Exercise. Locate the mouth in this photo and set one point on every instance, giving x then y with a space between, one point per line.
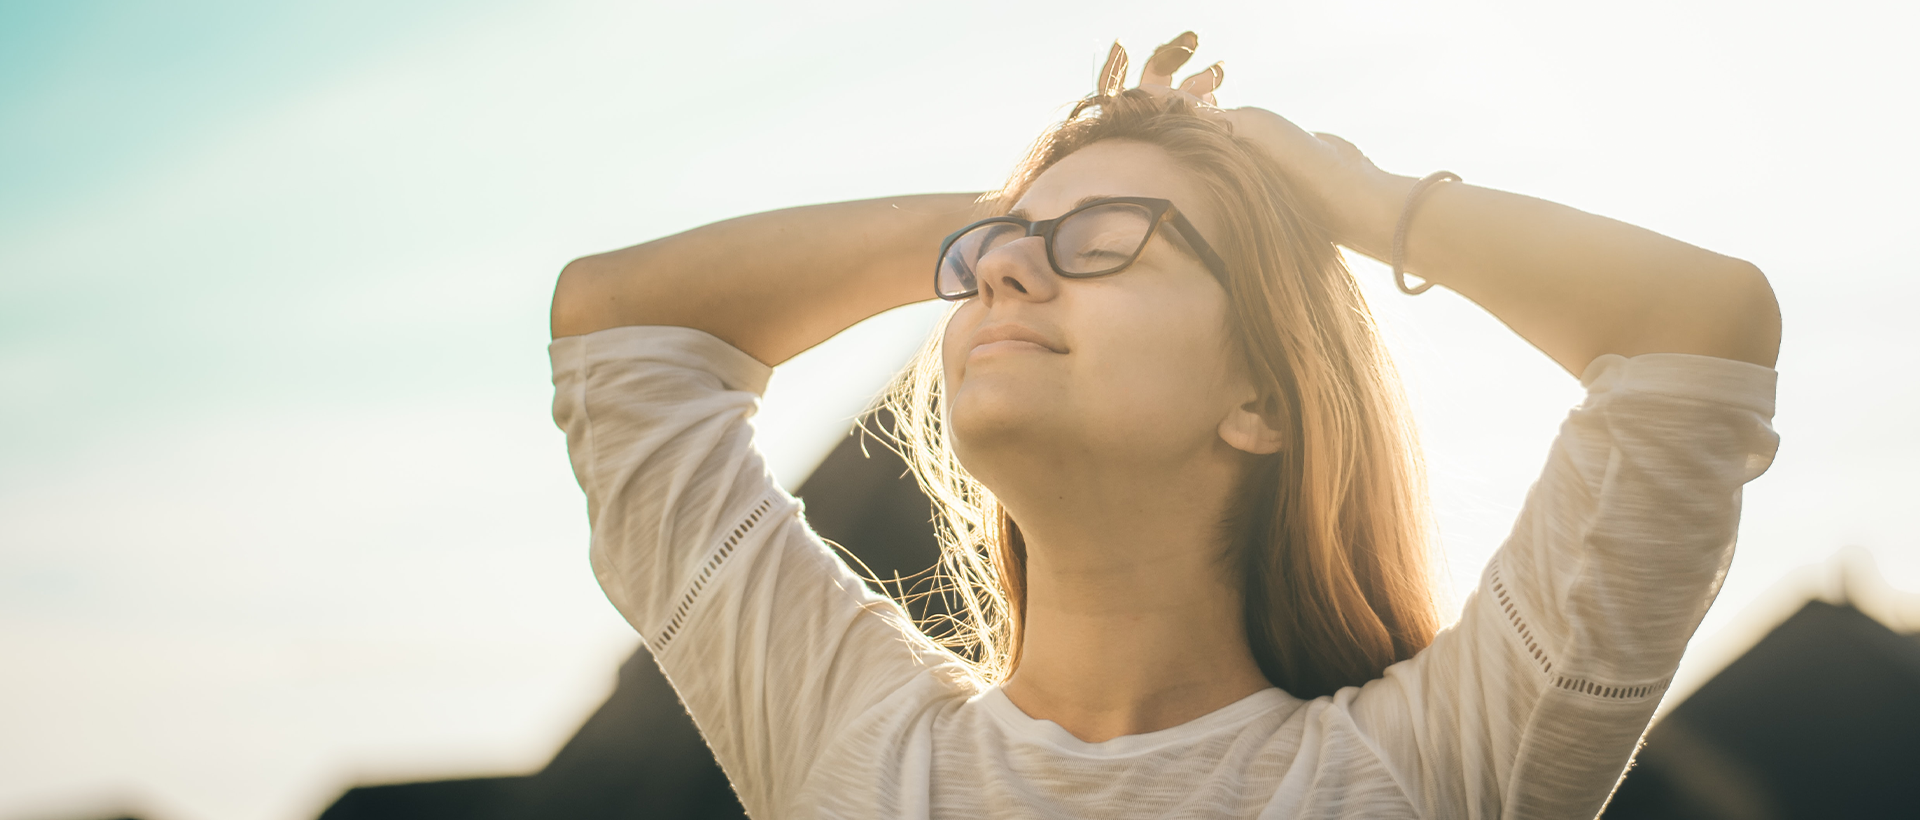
1007 346
1007 337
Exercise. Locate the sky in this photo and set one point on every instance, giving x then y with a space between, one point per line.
282 507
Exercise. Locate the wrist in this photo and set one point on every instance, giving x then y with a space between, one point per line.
1371 212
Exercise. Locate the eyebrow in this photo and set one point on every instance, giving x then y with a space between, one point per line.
1021 213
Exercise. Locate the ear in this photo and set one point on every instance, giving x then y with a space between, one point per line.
1254 427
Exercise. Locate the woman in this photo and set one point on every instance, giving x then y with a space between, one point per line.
1182 498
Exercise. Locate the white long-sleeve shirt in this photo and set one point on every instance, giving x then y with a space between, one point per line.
820 700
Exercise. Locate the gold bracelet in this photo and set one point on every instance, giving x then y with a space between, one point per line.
1420 189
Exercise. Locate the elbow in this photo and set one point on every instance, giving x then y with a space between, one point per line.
1724 308
1753 326
576 298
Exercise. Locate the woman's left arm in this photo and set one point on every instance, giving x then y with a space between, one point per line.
1531 705
1576 285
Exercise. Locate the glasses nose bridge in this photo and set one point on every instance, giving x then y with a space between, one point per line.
1046 230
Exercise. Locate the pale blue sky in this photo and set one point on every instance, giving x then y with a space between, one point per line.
93 91
280 504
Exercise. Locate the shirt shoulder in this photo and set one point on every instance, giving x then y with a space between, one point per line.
1684 376
660 347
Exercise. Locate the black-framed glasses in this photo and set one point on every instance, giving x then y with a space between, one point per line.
1098 238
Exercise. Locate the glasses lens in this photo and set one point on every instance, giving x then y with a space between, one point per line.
957 276
1101 239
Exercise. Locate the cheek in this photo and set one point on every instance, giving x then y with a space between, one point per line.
1161 372
1159 369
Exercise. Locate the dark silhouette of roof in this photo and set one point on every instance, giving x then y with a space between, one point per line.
1821 718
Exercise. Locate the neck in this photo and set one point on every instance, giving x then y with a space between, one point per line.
1133 620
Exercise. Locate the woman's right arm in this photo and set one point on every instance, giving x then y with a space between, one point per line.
773 644
771 284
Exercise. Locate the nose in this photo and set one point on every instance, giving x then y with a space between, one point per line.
1017 270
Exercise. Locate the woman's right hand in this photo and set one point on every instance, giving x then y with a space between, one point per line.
771 284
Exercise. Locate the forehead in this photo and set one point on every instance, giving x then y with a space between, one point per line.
1113 168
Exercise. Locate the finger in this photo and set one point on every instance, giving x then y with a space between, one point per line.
1169 58
1113 75
1202 85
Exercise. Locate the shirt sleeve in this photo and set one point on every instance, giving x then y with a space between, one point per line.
1533 704
769 639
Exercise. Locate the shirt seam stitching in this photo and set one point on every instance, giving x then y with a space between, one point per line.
1517 621
710 568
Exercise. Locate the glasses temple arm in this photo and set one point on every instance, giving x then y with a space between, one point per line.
1199 245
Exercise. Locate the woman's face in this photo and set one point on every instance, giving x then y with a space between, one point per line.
1128 369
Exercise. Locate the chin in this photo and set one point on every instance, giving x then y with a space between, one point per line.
985 420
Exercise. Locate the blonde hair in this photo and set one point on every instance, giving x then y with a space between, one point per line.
1331 536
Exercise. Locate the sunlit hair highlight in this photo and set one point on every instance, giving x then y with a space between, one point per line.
1330 537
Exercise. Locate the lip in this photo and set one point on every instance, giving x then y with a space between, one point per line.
1012 336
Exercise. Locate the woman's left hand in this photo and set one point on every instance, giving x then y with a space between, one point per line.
1358 200
1574 284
